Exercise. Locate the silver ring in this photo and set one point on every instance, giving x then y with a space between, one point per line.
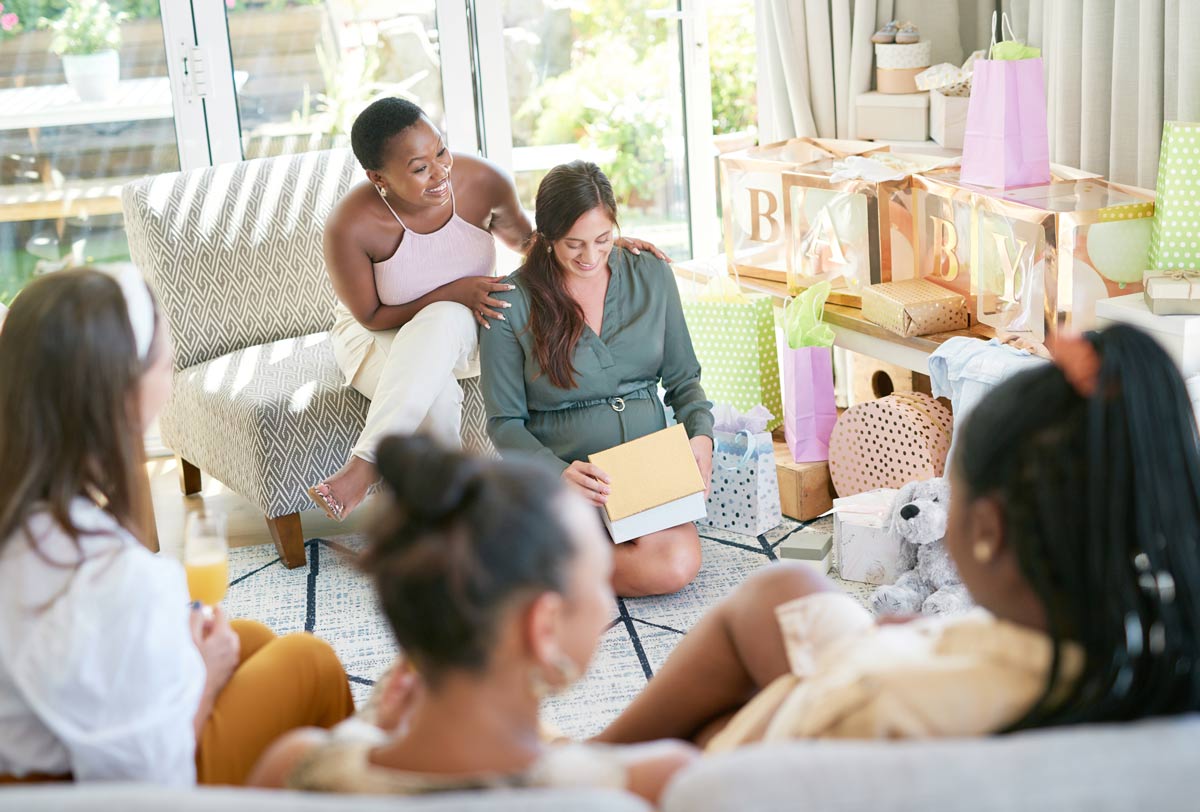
618 404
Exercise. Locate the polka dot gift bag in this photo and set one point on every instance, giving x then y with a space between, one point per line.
734 338
744 497
1175 240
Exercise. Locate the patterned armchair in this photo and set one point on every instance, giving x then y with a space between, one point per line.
234 255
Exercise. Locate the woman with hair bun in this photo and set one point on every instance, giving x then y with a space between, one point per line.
412 257
495 580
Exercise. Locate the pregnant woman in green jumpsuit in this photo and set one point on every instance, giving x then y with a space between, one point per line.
575 365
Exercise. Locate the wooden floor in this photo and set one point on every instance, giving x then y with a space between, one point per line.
245 523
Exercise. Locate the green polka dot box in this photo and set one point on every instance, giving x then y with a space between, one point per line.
1175 240
739 361
744 497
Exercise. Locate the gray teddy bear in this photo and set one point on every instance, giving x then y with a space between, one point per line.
927 581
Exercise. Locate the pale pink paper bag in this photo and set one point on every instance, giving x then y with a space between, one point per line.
809 407
1006 141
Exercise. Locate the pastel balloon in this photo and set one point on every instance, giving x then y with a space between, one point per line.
1119 249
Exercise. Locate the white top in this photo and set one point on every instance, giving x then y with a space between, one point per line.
99 675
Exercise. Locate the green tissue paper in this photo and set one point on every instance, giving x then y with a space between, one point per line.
802 323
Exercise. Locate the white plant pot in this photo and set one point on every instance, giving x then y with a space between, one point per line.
93 77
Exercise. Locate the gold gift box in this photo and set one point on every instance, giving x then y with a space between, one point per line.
1032 260
787 220
1172 293
916 307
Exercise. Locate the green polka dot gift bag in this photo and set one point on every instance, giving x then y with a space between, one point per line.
734 338
1175 239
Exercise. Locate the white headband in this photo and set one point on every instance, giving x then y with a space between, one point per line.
140 306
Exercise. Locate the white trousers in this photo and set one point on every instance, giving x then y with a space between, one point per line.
411 376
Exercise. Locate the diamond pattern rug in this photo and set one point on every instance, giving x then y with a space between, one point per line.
332 599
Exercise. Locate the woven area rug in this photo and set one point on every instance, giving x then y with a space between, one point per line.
333 600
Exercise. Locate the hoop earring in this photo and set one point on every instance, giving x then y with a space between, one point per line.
382 191
568 672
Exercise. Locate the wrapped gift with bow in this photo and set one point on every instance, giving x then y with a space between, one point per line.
734 338
744 497
1173 293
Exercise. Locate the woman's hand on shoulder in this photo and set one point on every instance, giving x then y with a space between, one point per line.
280 759
589 481
636 246
650 767
475 293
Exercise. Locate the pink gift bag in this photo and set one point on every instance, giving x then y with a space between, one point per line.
1006 141
809 408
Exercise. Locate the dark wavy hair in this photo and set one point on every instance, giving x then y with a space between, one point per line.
556 320
1101 499
465 537
376 125
69 372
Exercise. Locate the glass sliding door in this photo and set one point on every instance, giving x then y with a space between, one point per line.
311 66
74 128
601 80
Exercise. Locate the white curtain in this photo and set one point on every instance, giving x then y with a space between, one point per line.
1115 71
816 56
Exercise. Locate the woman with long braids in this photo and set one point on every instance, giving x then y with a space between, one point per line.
1075 524
497 583
576 366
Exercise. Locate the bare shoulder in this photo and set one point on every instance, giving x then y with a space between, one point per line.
281 758
351 214
480 176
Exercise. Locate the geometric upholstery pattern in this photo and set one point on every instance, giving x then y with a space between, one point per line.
235 258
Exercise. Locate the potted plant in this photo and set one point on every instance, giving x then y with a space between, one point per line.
87 36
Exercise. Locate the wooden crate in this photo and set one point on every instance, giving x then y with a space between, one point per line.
805 489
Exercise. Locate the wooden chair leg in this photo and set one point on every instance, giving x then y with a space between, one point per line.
289 539
189 476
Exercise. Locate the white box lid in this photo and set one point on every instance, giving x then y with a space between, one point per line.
873 98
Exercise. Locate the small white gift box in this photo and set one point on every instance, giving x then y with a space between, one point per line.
948 118
866 549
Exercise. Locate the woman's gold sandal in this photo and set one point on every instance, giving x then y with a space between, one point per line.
332 506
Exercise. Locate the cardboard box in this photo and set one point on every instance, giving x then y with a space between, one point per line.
866 549
1034 260
1179 335
948 118
805 489
892 117
655 484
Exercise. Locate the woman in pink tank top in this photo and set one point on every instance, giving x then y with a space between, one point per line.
412 257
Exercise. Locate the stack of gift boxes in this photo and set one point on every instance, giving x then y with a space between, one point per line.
897 110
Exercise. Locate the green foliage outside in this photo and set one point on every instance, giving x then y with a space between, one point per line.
30 11
85 27
605 101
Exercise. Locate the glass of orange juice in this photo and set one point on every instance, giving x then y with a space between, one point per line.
206 558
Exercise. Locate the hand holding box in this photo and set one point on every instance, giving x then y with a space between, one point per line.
655 484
